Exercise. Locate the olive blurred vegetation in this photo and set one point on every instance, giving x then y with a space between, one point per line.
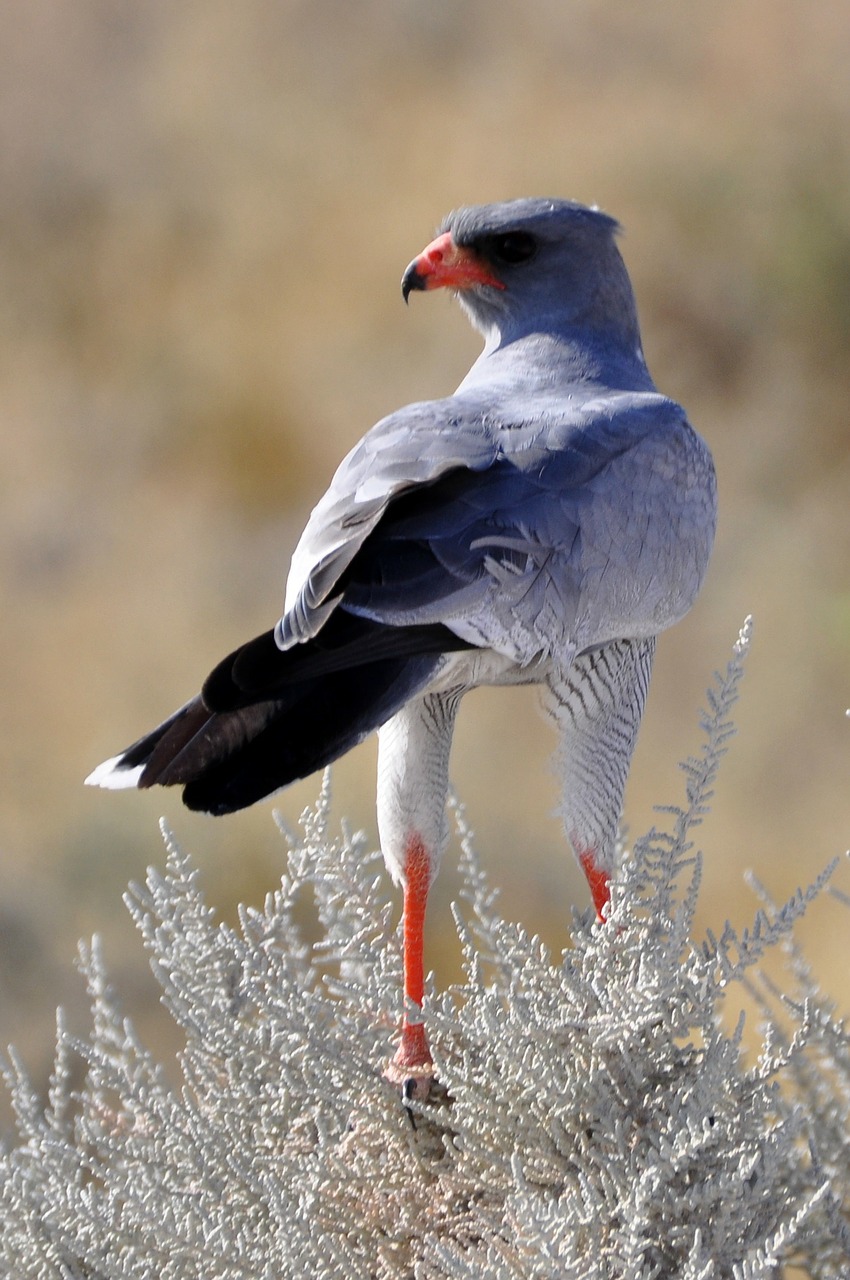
206 210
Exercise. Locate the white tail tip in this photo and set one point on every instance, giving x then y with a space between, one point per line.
113 777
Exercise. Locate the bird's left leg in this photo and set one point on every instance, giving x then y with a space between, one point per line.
597 704
413 763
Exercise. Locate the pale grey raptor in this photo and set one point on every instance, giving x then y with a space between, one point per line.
540 526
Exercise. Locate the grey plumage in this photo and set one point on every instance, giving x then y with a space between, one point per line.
541 525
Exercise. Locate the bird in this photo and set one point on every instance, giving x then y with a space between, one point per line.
540 525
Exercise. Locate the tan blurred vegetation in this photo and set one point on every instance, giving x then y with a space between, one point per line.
206 209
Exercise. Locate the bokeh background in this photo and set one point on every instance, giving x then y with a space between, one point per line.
205 210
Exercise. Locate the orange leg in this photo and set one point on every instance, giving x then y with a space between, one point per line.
412 1065
599 881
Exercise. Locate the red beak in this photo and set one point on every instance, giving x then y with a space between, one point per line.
445 265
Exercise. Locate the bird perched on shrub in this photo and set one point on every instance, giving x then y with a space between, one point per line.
539 526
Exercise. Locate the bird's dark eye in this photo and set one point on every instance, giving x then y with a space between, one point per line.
511 248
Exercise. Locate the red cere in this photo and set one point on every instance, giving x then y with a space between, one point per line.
443 264
431 259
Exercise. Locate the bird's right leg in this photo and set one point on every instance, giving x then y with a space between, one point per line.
597 704
413 763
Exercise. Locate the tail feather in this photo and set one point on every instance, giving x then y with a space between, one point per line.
260 669
165 744
126 769
268 717
284 741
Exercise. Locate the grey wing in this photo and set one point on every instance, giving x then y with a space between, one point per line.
588 527
409 450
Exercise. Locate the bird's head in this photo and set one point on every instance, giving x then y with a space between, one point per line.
534 265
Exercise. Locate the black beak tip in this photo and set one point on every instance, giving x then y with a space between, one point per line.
412 279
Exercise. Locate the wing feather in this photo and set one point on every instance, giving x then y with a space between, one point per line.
517 535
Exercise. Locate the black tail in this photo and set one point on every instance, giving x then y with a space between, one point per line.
267 717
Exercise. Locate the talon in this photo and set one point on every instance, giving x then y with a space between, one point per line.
415 1082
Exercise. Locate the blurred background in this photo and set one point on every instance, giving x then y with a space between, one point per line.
205 213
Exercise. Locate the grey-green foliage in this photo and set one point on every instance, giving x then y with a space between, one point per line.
600 1120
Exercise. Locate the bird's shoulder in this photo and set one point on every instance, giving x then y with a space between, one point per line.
590 437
